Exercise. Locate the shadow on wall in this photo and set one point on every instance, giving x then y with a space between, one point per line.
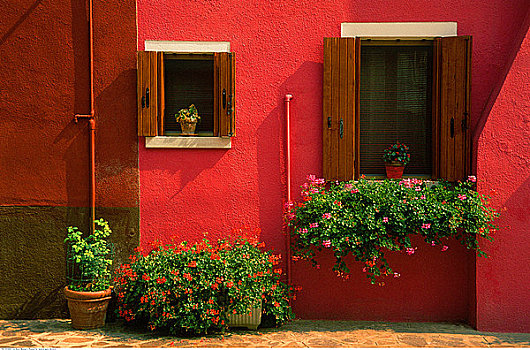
306 106
19 21
483 117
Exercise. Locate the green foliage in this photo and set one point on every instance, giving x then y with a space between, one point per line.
88 258
366 218
188 115
192 288
397 152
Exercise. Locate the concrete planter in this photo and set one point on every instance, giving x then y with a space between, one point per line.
247 321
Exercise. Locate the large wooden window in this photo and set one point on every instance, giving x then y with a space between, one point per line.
379 92
168 82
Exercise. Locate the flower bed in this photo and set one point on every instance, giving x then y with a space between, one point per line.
366 218
194 287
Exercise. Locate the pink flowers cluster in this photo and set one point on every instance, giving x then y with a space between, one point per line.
326 216
472 178
385 219
426 225
411 250
313 225
409 183
326 243
462 197
315 181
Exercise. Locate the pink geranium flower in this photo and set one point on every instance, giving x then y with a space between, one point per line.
444 248
354 190
426 226
462 197
326 216
327 243
302 230
313 225
411 251
472 178
385 219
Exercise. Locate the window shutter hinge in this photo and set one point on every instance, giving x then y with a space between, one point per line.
341 128
329 122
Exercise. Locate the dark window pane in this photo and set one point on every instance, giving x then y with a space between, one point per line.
396 84
188 82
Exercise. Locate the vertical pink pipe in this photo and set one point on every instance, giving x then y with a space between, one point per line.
288 99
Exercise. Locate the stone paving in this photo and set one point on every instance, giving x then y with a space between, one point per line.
58 333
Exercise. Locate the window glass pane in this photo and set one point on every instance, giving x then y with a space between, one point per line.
188 81
396 86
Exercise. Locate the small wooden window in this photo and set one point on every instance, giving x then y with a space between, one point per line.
168 82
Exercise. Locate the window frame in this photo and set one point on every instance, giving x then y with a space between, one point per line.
334 156
178 141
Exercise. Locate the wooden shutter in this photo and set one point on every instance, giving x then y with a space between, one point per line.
225 94
340 105
451 98
150 92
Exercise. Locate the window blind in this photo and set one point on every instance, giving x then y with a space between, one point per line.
395 105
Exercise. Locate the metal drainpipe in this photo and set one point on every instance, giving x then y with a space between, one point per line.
91 124
288 99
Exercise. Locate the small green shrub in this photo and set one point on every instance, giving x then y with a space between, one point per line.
366 218
89 259
192 288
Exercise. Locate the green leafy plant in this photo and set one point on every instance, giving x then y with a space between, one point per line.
192 288
188 115
397 152
89 259
367 218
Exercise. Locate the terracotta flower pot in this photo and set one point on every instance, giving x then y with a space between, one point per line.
394 170
87 309
188 128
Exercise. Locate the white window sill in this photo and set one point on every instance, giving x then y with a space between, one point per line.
188 142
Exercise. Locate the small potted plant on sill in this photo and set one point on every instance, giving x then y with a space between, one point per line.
396 157
88 275
188 118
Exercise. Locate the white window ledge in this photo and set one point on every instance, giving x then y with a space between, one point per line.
403 30
188 142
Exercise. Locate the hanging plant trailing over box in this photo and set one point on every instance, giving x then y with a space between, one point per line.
367 218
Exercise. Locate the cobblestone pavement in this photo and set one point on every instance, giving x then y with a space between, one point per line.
301 333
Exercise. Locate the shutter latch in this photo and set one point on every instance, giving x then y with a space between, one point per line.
464 122
229 107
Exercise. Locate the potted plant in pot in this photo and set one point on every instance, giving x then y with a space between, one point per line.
88 275
396 157
188 118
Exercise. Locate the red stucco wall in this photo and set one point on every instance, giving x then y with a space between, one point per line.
45 81
503 283
279 50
